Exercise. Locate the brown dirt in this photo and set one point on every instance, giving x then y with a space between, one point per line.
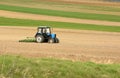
80 45
54 18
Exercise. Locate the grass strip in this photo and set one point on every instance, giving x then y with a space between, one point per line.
34 23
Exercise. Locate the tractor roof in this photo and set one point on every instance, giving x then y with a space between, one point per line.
43 27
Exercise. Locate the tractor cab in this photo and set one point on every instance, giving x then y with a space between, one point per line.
44 29
44 35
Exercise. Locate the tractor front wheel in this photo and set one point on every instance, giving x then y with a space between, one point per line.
51 41
39 39
57 40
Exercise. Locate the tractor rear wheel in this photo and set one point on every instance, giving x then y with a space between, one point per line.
39 39
51 41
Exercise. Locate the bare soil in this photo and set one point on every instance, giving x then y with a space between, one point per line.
75 45
54 18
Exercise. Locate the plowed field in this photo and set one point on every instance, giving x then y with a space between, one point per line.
100 47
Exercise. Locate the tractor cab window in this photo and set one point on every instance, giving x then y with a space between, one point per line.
48 30
39 30
44 30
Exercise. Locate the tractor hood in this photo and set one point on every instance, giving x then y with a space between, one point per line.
53 35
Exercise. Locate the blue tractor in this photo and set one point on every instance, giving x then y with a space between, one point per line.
44 35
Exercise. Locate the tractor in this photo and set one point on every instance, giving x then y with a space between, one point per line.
44 35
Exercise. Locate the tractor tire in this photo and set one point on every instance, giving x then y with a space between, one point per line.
39 39
57 40
51 41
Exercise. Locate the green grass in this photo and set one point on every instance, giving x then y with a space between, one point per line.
35 23
61 13
19 67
